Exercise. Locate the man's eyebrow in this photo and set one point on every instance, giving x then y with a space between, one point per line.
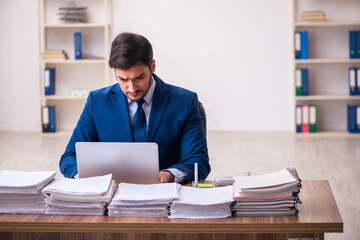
139 76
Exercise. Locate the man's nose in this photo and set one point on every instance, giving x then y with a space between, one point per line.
131 86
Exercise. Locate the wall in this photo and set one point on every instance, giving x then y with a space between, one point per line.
237 55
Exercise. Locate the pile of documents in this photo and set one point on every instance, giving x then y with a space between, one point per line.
275 193
312 17
54 55
83 196
143 200
202 203
20 191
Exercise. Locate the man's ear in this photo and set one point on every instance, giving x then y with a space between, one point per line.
153 66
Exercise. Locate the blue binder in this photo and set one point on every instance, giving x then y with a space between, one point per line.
298 118
52 119
77 41
304 45
353 81
357 44
49 81
297 45
352 126
352 44
305 82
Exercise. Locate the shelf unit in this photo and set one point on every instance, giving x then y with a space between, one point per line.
328 63
72 75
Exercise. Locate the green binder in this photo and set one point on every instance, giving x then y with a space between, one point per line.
312 118
298 84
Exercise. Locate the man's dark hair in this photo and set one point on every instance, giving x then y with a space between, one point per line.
129 49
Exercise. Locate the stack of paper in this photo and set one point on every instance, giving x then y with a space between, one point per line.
20 191
274 193
313 16
202 203
54 55
143 200
83 196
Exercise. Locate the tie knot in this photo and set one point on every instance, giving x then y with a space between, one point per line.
140 102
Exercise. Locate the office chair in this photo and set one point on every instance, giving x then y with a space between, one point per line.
203 115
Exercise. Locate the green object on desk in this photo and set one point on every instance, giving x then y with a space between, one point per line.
203 185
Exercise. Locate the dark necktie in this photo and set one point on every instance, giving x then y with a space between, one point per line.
139 123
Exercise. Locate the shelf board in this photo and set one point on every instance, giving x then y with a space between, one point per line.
327 24
63 97
327 60
75 25
73 61
327 98
328 134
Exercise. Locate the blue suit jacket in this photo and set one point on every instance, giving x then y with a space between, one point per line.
175 124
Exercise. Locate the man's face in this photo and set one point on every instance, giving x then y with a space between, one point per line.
135 81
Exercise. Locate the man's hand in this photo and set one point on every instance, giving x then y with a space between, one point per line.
165 177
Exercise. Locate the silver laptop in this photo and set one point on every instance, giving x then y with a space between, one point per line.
128 162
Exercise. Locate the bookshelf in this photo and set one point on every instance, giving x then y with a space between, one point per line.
74 78
328 63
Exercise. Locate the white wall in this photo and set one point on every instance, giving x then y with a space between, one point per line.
237 55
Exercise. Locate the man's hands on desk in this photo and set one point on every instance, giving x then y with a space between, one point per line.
166 176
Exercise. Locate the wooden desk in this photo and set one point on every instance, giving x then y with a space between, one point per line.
318 215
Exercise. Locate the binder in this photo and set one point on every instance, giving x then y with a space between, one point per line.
304 53
352 44
305 82
49 81
357 82
353 81
352 118
357 119
357 44
312 118
298 81
305 128
298 118
52 122
297 45
77 40
45 118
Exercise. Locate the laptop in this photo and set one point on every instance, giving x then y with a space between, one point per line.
129 162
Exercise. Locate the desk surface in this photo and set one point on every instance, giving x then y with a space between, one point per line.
318 213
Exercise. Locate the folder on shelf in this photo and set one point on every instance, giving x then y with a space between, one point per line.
352 81
52 119
45 118
304 53
77 41
312 118
305 118
352 44
357 44
352 118
49 81
298 81
298 118
357 82
297 45
305 82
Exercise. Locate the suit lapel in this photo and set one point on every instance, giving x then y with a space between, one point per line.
160 100
119 102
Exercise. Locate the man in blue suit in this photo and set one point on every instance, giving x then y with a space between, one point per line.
142 108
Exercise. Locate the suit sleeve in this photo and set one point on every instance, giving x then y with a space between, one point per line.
85 131
193 144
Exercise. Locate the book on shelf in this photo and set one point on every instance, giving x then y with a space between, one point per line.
48 118
354 44
353 118
77 45
54 55
301 45
49 81
313 17
302 82
306 118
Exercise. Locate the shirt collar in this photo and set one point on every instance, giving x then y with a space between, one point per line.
148 98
